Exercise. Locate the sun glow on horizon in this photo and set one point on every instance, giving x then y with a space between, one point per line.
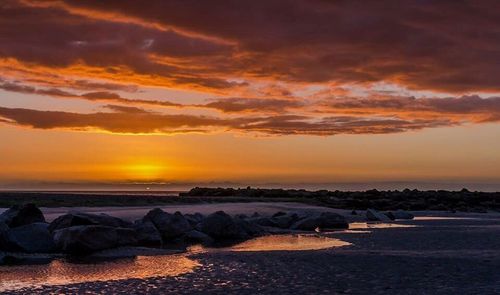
144 171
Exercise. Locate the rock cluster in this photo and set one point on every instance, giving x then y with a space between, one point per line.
24 229
374 215
463 200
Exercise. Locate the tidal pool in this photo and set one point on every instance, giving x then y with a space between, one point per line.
288 243
61 272
368 225
444 218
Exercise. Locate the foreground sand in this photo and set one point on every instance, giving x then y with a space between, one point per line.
440 256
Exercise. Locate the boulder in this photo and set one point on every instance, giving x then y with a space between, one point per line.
390 215
279 213
195 237
330 220
3 231
3 228
325 220
220 225
194 219
170 226
147 234
374 215
80 218
263 221
401 214
285 220
308 224
22 215
85 239
26 259
249 229
30 238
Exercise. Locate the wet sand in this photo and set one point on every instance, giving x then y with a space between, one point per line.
437 256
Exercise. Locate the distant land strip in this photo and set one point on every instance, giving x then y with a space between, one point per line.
463 200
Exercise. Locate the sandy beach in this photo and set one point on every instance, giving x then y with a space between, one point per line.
436 253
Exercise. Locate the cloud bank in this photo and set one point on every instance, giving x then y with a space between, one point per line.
261 62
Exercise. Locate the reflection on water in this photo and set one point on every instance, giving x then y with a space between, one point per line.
289 243
368 225
444 218
61 272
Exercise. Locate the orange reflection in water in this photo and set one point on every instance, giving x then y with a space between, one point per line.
368 225
289 243
61 272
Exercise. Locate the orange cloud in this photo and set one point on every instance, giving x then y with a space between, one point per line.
258 63
414 44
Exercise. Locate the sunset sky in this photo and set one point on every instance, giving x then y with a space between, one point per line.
250 92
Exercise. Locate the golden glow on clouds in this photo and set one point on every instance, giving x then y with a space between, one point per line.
321 91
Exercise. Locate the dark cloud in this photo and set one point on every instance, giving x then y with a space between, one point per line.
259 56
227 105
133 120
234 105
100 86
447 45
62 39
16 87
472 108
124 109
119 122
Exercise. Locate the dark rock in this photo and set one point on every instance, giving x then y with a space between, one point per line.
194 219
3 228
400 214
308 224
147 234
3 231
285 220
80 218
326 220
170 226
25 259
220 225
353 212
390 215
249 229
30 238
263 221
279 213
255 214
22 215
85 239
302 214
195 236
330 220
241 216
374 215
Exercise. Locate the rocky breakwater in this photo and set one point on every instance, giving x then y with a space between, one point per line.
25 236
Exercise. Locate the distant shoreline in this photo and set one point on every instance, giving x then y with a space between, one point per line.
464 200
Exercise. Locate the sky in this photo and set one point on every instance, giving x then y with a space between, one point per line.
308 93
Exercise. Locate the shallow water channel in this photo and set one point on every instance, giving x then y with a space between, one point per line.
62 271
